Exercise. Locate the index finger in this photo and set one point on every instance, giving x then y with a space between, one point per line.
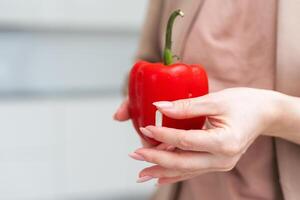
189 108
190 140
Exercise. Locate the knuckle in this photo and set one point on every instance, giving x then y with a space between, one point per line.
212 99
185 106
183 142
184 166
215 105
153 159
173 164
180 164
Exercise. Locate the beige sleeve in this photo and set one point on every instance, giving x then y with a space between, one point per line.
148 48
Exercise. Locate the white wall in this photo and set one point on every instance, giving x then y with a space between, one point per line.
62 149
59 61
93 14
95 52
66 148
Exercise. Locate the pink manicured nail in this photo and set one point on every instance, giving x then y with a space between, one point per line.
146 132
144 179
163 104
136 156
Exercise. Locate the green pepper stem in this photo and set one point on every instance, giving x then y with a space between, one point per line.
168 56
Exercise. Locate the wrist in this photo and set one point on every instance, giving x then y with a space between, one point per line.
277 106
286 116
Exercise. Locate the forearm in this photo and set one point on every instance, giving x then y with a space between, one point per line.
287 123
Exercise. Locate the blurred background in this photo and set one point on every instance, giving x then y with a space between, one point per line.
62 66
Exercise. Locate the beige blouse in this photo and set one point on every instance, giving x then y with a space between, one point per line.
251 43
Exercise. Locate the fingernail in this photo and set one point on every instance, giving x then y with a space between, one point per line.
136 156
163 104
144 179
146 132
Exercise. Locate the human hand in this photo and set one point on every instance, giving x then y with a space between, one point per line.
236 117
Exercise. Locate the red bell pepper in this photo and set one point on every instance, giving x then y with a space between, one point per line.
152 82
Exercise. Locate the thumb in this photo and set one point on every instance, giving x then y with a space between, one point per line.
188 108
122 113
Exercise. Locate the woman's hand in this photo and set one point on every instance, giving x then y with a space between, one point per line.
236 117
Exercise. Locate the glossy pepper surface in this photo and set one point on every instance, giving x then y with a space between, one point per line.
152 82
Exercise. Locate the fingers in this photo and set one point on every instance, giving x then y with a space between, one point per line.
189 108
157 171
165 147
177 160
180 165
191 140
166 176
166 180
122 113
